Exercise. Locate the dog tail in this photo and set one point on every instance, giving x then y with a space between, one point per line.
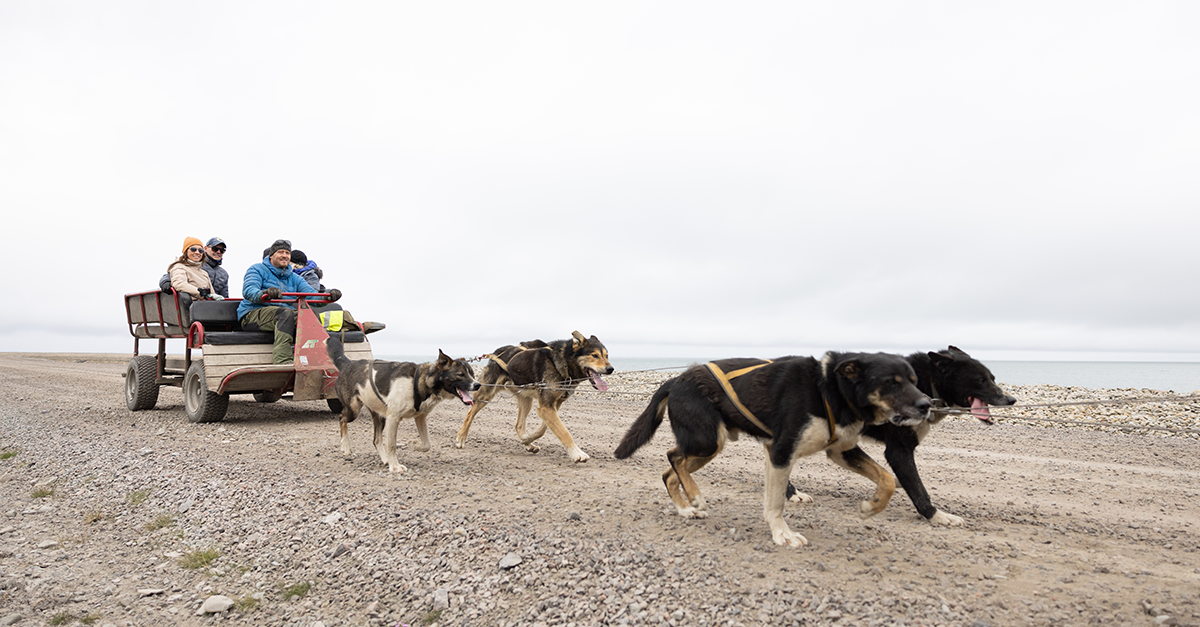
333 346
642 429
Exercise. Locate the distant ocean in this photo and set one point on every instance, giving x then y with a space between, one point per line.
1155 375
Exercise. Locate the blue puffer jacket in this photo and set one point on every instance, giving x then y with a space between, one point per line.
263 275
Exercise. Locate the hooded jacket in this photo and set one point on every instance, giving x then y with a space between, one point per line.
311 273
261 276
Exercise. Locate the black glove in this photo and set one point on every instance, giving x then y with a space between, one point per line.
205 293
272 293
335 294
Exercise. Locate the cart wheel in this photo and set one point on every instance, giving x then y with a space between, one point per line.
141 383
200 404
335 405
267 397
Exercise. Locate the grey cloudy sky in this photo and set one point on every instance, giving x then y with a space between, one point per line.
678 178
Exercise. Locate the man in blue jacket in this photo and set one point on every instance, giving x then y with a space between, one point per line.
268 280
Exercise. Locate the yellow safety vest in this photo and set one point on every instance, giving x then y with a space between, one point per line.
331 320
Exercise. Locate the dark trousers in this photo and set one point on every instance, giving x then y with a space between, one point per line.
280 320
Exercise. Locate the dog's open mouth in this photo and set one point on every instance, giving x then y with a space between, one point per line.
465 396
597 382
980 410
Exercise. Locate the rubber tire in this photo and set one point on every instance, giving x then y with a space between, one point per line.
200 404
141 383
335 405
267 397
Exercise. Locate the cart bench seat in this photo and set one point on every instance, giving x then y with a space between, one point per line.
222 328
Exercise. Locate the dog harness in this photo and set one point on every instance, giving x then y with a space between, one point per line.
723 378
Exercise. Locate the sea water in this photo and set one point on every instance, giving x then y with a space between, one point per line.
1165 376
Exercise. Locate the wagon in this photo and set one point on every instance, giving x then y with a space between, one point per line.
229 360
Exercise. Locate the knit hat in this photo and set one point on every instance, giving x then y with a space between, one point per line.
299 257
280 244
191 241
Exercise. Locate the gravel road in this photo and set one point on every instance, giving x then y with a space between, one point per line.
109 517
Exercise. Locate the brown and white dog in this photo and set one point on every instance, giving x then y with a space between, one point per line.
547 373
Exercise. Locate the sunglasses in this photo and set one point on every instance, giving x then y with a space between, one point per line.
219 250
195 249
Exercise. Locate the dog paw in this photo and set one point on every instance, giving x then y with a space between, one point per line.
418 445
800 497
787 537
699 503
942 518
532 448
867 509
459 442
692 512
578 456
397 468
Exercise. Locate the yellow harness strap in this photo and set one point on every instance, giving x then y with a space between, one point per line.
723 379
500 362
832 430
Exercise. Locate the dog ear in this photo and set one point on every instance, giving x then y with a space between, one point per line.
443 360
954 350
940 360
579 339
849 369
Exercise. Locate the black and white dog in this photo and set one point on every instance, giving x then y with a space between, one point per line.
796 406
960 381
392 391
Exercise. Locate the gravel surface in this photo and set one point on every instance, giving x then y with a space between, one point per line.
110 517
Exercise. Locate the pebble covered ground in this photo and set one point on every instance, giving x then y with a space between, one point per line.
109 517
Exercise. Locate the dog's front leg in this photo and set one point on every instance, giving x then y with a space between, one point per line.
422 441
550 418
857 460
482 398
773 499
901 456
393 423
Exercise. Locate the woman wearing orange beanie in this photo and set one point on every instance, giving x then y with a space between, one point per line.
187 272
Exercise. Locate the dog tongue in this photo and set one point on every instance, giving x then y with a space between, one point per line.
980 410
466 397
597 382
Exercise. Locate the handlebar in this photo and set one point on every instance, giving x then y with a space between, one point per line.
291 297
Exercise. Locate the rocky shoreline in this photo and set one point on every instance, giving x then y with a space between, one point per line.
118 518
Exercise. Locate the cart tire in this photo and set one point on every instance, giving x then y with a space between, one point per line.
335 405
200 404
267 397
141 383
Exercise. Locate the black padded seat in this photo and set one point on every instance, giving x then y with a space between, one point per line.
239 338
221 326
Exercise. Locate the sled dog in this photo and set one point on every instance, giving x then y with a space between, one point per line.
392 391
796 406
547 373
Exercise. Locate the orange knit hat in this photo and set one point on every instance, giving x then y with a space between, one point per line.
191 241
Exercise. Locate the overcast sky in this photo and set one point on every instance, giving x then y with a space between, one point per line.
681 179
